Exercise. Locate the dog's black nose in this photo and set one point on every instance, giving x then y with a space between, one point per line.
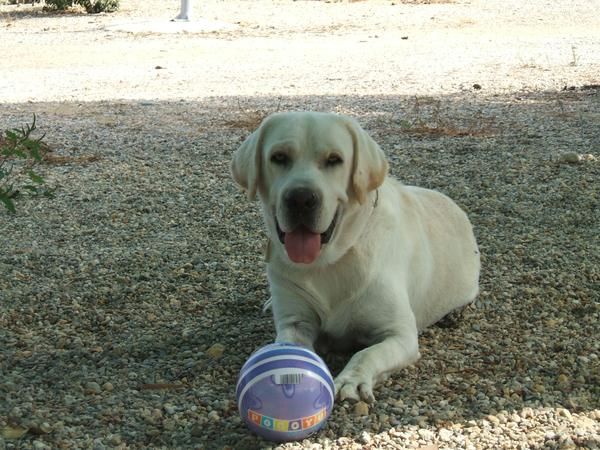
302 200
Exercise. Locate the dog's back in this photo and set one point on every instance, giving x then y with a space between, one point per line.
450 278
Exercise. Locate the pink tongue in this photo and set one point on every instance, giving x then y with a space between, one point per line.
302 246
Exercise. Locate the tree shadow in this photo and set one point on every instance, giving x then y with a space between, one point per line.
152 256
28 12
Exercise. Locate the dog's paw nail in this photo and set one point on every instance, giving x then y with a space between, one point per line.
367 398
366 393
347 392
350 390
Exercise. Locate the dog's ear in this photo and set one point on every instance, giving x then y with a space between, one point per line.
369 164
246 164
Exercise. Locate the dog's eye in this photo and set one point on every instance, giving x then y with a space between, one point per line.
333 160
279 158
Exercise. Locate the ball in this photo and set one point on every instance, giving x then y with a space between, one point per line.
284 392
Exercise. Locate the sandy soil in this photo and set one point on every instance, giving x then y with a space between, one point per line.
297 48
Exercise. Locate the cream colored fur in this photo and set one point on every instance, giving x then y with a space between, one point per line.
400 257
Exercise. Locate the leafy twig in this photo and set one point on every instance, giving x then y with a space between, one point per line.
19 155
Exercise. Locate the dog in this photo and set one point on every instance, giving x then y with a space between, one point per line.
355 259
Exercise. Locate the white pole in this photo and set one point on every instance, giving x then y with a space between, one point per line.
186 11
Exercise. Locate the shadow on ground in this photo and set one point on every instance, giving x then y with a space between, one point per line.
132 299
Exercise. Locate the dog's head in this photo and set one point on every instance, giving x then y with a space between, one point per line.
309 169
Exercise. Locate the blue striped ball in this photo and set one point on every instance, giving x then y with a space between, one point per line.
284 392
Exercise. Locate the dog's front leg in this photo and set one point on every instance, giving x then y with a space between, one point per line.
373 364
295 323
394 342
298 332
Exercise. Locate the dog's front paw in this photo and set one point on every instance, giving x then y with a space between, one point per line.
353 385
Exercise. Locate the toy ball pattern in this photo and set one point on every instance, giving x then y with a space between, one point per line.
285 392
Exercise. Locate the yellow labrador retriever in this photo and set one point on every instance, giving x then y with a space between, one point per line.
356 259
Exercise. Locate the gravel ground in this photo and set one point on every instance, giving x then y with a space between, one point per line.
129 302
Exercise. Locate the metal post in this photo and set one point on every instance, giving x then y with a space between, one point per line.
186 11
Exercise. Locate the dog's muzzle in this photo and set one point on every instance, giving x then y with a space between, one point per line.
303 242
325 236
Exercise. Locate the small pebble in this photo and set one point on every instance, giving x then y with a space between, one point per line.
216 351
115 440
426 434
493 419
445 434
9 386
93 388
197 430
539 388
526 413
361 408
563 412
40 429
152 432
570 158
365 438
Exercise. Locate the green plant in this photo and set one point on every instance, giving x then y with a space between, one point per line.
60 5
98 6
90 6
19 155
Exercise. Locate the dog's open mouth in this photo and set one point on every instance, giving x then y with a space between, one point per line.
303 245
